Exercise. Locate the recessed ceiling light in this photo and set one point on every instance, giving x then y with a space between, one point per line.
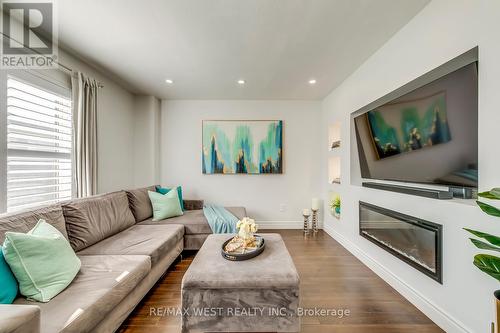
169 81
312 81
241 82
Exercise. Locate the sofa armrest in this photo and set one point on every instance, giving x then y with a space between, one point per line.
19 318
193 204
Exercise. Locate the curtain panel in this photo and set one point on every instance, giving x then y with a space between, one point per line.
85 95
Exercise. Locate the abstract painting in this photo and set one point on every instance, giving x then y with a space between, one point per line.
242 147
409 125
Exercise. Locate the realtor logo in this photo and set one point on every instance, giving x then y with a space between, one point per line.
28 34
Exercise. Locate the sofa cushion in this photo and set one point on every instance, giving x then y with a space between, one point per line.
193 204
194 221
165 205
95 218
152 240
165 190
101 284
239 212
19 318
42 261
139 203
25 221
194 242
8 283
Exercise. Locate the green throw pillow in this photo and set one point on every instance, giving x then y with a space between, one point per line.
164 190
42 261
8 283
165 205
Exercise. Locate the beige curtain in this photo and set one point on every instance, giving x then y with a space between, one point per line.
85 93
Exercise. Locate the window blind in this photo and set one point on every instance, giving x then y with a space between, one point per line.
39 143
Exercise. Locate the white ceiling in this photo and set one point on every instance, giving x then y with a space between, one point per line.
205 46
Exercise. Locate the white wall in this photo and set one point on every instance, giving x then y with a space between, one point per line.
441 31
115 128
146 141
262 195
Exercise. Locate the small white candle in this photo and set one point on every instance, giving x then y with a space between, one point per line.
315 204
306 212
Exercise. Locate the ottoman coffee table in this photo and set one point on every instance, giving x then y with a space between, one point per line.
256 295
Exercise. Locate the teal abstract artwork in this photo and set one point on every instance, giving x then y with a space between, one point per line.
242 147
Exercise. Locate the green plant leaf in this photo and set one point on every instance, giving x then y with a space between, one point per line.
483 245
488 264
488 209
493 194
487 195
490 238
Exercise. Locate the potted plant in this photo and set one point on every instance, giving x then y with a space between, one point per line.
488 263
335 206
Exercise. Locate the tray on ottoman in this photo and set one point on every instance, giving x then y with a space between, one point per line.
257 295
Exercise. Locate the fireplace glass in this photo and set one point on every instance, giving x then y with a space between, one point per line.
413 240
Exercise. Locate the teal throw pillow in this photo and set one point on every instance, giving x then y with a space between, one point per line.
165 190
42 261
165 205
8 283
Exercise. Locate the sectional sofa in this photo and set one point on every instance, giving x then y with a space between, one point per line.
123 254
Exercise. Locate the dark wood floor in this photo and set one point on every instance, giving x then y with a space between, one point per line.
330 277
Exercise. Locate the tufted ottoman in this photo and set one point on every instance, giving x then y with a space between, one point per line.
256 295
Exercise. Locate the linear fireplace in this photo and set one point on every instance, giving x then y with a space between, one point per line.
415 241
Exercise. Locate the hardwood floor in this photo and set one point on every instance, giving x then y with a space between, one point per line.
331 278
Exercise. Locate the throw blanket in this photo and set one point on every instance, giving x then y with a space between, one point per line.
220 219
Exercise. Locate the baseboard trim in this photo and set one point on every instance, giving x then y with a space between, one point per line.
280 224
434 312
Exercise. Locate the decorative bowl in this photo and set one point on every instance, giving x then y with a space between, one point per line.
247 254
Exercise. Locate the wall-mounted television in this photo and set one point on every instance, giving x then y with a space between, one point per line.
426 135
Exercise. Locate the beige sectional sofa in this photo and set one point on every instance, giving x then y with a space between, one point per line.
123 254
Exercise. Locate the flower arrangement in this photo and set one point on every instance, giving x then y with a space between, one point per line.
246 228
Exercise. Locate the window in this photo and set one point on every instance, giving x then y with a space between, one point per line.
38 142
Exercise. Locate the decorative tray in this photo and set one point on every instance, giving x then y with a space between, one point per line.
240 255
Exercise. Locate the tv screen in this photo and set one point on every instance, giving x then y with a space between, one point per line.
429 135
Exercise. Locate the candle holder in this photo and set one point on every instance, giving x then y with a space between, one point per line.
306 224
315 220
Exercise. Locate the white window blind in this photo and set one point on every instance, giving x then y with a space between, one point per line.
39 134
